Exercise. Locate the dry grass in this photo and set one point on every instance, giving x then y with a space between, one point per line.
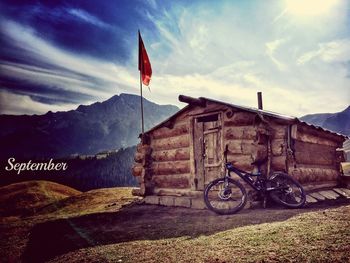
94 201
104 226
26 198
322 236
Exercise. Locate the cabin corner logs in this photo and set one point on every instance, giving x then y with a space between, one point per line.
180 156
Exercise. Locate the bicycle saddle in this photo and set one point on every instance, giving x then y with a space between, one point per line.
259 162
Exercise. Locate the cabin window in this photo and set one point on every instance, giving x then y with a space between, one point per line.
208 118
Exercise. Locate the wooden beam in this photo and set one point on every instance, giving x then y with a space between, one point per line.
244 146
181 141
240 119
306 174
178 167
164 132
192 101
242 132
137 170
278 163
176 181
179 154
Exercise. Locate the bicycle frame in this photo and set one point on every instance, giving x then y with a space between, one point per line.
246 176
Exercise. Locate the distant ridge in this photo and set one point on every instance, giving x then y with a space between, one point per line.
89 129
337 122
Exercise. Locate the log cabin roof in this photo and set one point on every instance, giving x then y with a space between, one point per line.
281 117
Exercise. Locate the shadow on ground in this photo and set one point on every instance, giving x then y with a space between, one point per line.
140 222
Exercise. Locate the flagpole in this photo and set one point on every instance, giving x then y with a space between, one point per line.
141 97
142 121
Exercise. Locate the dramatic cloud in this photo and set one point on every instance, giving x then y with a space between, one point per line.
58 55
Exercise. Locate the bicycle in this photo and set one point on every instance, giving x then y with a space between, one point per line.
228 196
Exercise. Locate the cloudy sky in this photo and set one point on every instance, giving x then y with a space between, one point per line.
58 54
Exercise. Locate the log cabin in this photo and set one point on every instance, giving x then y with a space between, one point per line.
176 159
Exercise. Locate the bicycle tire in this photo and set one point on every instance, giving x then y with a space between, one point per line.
227 207
287 197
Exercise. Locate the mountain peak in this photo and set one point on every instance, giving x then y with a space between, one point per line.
347 109
337 122
89 129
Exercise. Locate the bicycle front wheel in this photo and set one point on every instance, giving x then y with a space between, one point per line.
225 196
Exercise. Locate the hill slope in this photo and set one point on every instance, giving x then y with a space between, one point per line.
26 197
111 124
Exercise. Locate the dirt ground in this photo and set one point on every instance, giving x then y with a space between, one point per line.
42 238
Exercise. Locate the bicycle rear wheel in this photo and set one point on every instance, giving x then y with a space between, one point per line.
290 193
225 196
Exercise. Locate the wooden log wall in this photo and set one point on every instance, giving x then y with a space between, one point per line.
241 134
171 166
279 144
141 169
314 155
247 141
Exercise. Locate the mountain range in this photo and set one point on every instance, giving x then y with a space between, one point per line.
337 122
89 129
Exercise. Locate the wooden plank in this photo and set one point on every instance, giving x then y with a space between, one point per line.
240 119
171 143
318 185
176 181
299 135
213 150
324 135
192 158
310 199
137 170
241 132
278 146
317 196
163 168
244 147
306 174
303 146
210 108
164 132
198 155
179 154
241 161
314 154
346 190
278 131
278 163
316 158
341 192
138 157
329 194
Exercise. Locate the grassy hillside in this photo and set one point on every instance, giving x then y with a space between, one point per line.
27 197
94 201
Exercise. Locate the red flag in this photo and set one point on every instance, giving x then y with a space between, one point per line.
144 63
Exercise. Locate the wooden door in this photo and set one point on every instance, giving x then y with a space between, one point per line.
208 153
